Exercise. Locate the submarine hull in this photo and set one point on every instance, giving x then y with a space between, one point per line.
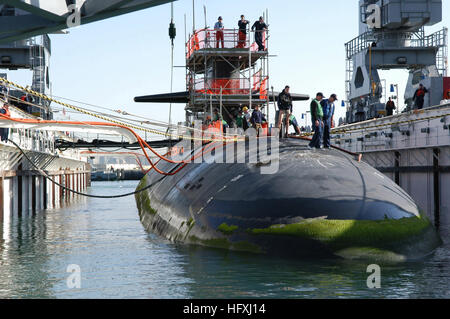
318 203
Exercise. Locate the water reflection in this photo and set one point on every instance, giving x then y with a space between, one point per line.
234 275
118 259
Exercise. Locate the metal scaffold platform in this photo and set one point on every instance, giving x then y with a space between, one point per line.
226 74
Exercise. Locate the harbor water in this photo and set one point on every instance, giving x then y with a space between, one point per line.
117 258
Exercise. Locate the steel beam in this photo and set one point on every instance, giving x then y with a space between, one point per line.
100 10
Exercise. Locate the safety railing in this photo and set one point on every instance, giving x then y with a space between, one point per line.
235 86
31 140
359 44
437 39
363 41
226 39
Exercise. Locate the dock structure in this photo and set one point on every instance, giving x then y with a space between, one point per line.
23 189
412 149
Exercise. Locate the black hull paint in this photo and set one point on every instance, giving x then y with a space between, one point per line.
319 203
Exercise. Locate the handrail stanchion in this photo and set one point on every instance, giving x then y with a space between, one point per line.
221 102
250 76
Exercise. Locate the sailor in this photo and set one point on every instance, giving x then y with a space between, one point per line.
247 117
390 107
328 109
26 99
206 123
4 132
240 120
257 119
294 123
218 118
225 126
3 91
219 27
316 117
419 96
260 27
242 31
285 107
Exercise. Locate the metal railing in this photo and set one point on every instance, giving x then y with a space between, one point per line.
227 39
233 86
359 44
418 39
31 140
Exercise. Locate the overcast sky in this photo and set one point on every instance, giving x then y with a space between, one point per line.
110 62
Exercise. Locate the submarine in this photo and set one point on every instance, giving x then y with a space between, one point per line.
319 203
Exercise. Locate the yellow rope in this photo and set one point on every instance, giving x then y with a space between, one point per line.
80 110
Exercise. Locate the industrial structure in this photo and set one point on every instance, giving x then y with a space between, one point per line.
411 148
225 76
392 36
24 19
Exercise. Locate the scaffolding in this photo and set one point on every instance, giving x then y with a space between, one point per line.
39 51
226 71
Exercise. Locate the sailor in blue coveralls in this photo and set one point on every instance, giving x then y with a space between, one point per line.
328 113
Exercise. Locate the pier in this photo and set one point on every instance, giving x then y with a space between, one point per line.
23 189
412 149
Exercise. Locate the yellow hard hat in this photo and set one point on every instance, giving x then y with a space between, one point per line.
245 109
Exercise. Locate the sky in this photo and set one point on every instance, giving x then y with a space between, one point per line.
108 63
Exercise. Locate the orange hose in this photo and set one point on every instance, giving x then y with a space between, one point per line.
143 144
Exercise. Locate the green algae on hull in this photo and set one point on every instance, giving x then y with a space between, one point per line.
363 238
143 199
375 254
348 231
224 243
227 230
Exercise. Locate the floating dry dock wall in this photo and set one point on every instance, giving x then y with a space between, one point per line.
22 188
412 149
